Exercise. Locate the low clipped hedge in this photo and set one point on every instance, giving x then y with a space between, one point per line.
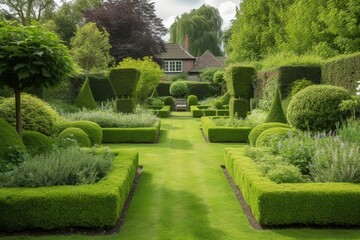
92 129
98 205
275 204
164 112
224 134
255 133
131 135
201 111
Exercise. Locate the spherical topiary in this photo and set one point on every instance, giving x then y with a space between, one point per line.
169 101
36 142
77 134
256 131
191 100
92 129
8 138
276 112
178 89
267 137
299 85
36 114
316 108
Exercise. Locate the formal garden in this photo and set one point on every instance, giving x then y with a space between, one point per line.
93 147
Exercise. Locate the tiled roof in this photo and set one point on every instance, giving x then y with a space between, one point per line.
222 59
205 61
175 51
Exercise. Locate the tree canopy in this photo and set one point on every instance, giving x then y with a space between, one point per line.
203 26
90 47
135 30
322 27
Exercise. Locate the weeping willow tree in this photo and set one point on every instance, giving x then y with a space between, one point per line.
203 26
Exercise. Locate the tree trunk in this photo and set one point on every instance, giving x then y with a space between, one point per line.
18 112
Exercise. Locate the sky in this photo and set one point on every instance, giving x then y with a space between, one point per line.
169 9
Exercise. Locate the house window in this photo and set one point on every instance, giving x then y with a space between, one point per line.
173 66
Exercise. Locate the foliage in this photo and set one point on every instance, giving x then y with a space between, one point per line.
257 116
316 108
8 138
233 122
239 108
110 119
255 133
36 142
77 134
286 58
136 32
30 56
299 85
27 10
179 76
85 97
37 115
207 75
178 89
169 101
61 167
239 80
349 132
203 26
273 135
151 74
276 113
90 47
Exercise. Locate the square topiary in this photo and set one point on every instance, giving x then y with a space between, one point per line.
239 81
124 81
125 105
239 107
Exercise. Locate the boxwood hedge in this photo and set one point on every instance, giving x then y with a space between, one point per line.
98 205
275 204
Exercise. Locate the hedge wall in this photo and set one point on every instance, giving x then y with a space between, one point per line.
98 205
200 89
275 204
342 71
224 134
124 81
285 76
131 135
200 111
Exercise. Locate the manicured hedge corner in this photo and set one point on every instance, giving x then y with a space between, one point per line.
164 112
201 111
224 134
98 205
296 203
131 135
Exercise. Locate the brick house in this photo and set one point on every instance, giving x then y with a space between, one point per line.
176 59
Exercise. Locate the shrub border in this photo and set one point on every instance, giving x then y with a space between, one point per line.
98 205
131 135
224 134
201 111
297 203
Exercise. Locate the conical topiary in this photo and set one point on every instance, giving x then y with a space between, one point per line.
276 113
85 97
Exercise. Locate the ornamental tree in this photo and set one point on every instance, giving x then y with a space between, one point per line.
30 56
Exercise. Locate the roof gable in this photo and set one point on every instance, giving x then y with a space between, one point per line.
174 51
205 61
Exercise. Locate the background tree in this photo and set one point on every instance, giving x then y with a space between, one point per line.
135 30
151 74
27 10
30 56
203 26
90 47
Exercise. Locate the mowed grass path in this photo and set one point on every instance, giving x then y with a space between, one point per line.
183 193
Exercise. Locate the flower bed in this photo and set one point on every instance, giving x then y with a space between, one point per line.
293 203
96 205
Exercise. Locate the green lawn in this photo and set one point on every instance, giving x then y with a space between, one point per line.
183 193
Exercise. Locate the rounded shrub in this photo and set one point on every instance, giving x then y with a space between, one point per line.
299 85
178 89
169 101
92 129
36 142
317 108
191 100
77 134
256 131
267 137
36 114
8 138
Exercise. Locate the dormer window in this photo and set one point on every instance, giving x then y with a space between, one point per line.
173 66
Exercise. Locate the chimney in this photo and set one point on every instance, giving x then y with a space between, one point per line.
186 42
